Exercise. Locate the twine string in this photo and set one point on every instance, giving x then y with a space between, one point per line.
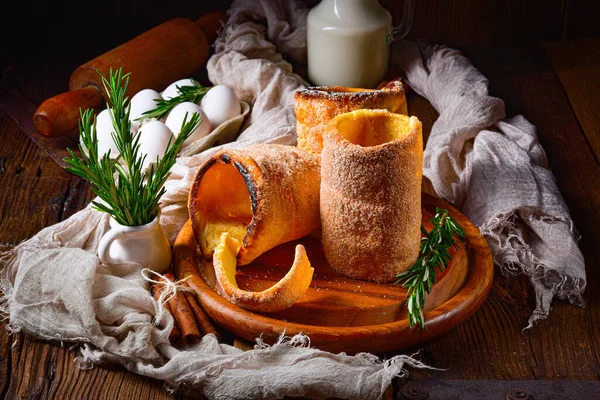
168 288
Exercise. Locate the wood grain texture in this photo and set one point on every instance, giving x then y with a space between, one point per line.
20 109
47 371
535 91
46 193
580 19
339 313
490 22
577 64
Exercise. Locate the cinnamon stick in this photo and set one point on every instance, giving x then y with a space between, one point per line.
182 312
175 335
201 318
184 266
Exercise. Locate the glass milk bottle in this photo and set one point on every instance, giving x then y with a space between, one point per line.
348 42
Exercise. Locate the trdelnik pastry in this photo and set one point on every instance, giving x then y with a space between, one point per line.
245 202
316 105
371 169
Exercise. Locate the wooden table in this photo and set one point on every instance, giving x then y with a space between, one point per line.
556 86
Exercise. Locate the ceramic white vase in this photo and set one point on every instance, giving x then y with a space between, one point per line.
348 41
144 244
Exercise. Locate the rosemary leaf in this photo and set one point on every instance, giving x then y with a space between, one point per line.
434 254
193 93
129 193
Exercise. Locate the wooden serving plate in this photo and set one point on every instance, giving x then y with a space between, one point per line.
343 314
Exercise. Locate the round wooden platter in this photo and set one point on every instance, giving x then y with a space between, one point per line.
343 314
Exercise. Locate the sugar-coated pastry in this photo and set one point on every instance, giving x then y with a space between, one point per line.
370 204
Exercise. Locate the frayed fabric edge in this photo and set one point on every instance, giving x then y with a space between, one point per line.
298 340
394 367
389 368
501 229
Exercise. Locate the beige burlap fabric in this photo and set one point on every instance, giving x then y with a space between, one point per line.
495 170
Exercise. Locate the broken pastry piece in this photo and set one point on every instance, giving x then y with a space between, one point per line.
371 168
316 105
278 297
260 196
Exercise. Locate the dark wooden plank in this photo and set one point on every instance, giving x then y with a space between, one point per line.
577 64
580 19
36 191
502 389
20 110
6 341
490 22
45 370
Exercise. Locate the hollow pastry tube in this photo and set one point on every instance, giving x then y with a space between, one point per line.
316 105
263 195
371 168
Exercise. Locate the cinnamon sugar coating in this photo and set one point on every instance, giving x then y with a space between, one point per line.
371 194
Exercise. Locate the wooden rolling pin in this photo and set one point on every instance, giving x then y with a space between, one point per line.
156 58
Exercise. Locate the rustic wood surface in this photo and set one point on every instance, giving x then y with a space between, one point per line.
36 193
573 62
343 314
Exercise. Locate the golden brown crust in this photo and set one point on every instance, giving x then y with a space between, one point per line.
283 190
371 199
316 105
280 296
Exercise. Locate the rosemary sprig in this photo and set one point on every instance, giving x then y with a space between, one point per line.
435 253
193 93
132 198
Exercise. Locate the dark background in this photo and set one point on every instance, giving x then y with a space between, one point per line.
73 32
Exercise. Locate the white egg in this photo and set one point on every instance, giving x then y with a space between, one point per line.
172 91
154 138
176 116
220 104
104 128
143 101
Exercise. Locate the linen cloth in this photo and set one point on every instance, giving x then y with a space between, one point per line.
54 286
494 169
